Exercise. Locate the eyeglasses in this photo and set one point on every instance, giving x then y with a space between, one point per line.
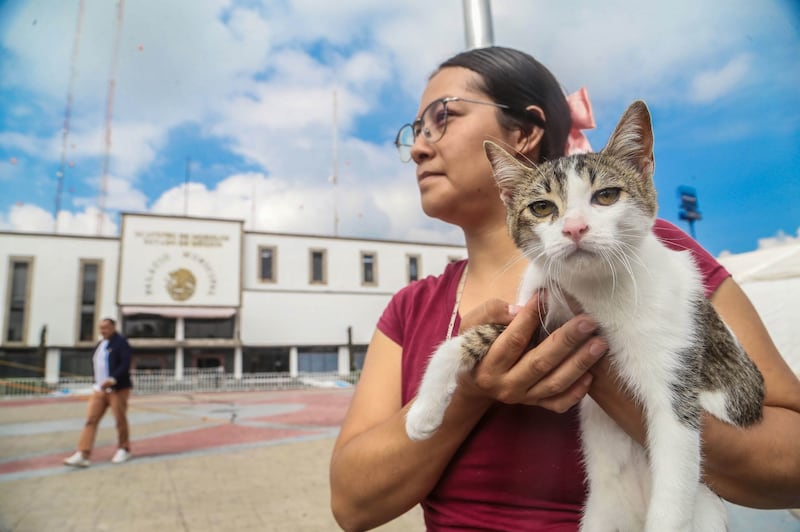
431 124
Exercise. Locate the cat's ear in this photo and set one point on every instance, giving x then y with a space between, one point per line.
506 168
632 139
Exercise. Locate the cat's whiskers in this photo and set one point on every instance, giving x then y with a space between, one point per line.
509 264
622 259
628 253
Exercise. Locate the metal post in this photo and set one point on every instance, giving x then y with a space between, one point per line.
478 24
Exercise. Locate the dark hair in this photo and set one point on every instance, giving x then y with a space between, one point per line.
111 321
514 78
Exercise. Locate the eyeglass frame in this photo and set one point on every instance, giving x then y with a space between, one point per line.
444 101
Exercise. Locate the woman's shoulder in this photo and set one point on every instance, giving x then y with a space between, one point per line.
674 238
419 300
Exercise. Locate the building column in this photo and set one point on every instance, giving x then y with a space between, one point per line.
293 362
344 360
179 336
237 363
52 365
179 363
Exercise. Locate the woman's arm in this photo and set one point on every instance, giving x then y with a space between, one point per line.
758 466
377 473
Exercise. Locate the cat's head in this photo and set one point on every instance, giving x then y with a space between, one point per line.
583 211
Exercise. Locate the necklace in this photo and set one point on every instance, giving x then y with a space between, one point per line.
460 290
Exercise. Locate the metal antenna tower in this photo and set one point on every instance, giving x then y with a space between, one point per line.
76 45
112 85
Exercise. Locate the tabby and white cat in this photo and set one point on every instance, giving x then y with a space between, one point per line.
585 222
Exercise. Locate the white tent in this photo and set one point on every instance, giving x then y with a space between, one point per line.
771 279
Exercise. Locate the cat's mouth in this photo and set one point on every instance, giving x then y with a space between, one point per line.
577 252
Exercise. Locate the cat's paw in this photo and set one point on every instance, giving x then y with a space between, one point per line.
423 420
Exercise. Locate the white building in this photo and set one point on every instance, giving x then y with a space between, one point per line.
191 292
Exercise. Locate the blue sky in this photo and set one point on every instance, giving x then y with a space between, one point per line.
241 93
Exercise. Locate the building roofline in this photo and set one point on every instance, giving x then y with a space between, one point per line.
58 235
244 232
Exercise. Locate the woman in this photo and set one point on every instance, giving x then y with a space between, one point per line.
507 455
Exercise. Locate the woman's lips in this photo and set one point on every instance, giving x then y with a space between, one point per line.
424 175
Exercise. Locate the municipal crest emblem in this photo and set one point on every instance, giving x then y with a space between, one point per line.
181 284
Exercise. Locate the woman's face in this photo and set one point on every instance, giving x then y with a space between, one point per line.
454 177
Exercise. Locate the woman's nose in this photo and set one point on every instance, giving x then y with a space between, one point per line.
420 149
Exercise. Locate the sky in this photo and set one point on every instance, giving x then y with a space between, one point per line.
246 109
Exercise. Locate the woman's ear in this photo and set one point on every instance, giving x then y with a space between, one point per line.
528 142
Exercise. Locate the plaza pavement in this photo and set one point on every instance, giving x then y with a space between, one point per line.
216 462
201 462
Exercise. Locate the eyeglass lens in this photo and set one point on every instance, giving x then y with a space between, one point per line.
434 121
404 141
431 126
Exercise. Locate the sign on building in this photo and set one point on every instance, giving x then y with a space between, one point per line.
174 261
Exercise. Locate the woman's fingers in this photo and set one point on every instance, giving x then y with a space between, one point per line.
562 402
571 351
514 341
554 374
491 311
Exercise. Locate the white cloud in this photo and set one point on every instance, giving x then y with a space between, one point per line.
32 218
709 85
120 196
779 239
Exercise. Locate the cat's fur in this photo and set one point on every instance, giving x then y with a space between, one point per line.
668 345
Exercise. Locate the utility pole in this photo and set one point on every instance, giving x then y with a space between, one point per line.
478 24
335 176
186 177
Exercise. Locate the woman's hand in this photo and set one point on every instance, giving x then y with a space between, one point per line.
553 374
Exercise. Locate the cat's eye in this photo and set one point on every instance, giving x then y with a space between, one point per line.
607 196
542 208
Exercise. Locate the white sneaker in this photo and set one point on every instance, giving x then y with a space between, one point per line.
121 456
77 460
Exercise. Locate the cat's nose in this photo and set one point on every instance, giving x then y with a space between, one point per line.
575 228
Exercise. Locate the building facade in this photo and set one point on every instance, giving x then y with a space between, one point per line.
200 293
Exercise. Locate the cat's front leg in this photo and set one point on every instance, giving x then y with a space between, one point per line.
441 378
617 474
674 451
437 387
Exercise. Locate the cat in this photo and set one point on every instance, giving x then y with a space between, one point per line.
585 223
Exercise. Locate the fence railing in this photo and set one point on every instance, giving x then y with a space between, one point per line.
193 380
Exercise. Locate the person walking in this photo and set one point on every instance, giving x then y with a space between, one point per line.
112 388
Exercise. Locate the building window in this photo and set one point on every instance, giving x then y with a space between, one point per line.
317 361
369 268
208 328
413 267
267 264
19 285
76 362
87 312
206 358
148 326
146 363
265 360
319 267
20 363
359 355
